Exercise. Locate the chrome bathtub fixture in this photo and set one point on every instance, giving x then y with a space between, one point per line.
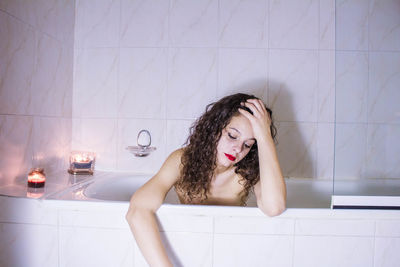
143 147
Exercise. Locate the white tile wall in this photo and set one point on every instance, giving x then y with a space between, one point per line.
294 24
193 23
243 23
144 23
384 22
383 92
95 88
352 20
293 85
243 70
97 25
142 83
385 247
192 81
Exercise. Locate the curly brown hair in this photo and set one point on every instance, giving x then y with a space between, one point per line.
199 155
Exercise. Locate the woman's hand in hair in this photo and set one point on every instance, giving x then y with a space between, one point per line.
260 119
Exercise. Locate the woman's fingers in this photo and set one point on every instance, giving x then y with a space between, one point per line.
256 106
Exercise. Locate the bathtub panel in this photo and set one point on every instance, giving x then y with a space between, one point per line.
184 249
93 219
388 228
185 223
335 227
95 247
252 250
333 251
26 211
387 252
254 225
28 245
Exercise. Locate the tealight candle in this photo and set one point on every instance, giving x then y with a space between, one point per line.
81 162
36 178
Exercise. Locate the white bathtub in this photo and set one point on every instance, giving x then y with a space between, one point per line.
302 193
78 219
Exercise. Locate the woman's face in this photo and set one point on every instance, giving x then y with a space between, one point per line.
235 142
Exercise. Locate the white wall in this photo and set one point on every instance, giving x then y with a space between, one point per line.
36 59
157 64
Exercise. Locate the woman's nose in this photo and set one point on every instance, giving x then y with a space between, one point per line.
237 147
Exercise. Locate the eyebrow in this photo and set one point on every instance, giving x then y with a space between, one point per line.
240 132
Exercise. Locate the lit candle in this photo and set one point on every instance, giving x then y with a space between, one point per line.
36 178
81 162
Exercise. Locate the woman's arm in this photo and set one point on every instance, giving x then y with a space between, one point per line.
143 206
270 191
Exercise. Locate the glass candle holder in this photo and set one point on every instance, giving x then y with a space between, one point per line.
36 178
81 162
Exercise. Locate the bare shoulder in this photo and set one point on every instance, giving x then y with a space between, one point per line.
171 168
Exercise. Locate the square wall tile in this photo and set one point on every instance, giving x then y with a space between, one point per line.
97 25
183 249
335 227
17 142
325 150
185 223
352 25
294 24
99 136
128 130
144 23
53 78
243 23
177 133
293 85
142 83
28 245
17 59
384 25
193 23
244 71
327 24
254 225
52 142
351 84
296 149
386 252
253 250
326 86
333 251
350 146
388 228
383 148
383 91
192 81
95 83
95 247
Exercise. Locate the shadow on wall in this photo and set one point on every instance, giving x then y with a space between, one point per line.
294 139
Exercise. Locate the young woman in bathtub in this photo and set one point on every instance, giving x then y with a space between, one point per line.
230 151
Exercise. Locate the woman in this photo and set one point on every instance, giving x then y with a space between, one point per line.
230 151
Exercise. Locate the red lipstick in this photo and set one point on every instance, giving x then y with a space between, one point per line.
230 157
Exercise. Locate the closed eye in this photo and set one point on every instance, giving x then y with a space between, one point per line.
231 136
